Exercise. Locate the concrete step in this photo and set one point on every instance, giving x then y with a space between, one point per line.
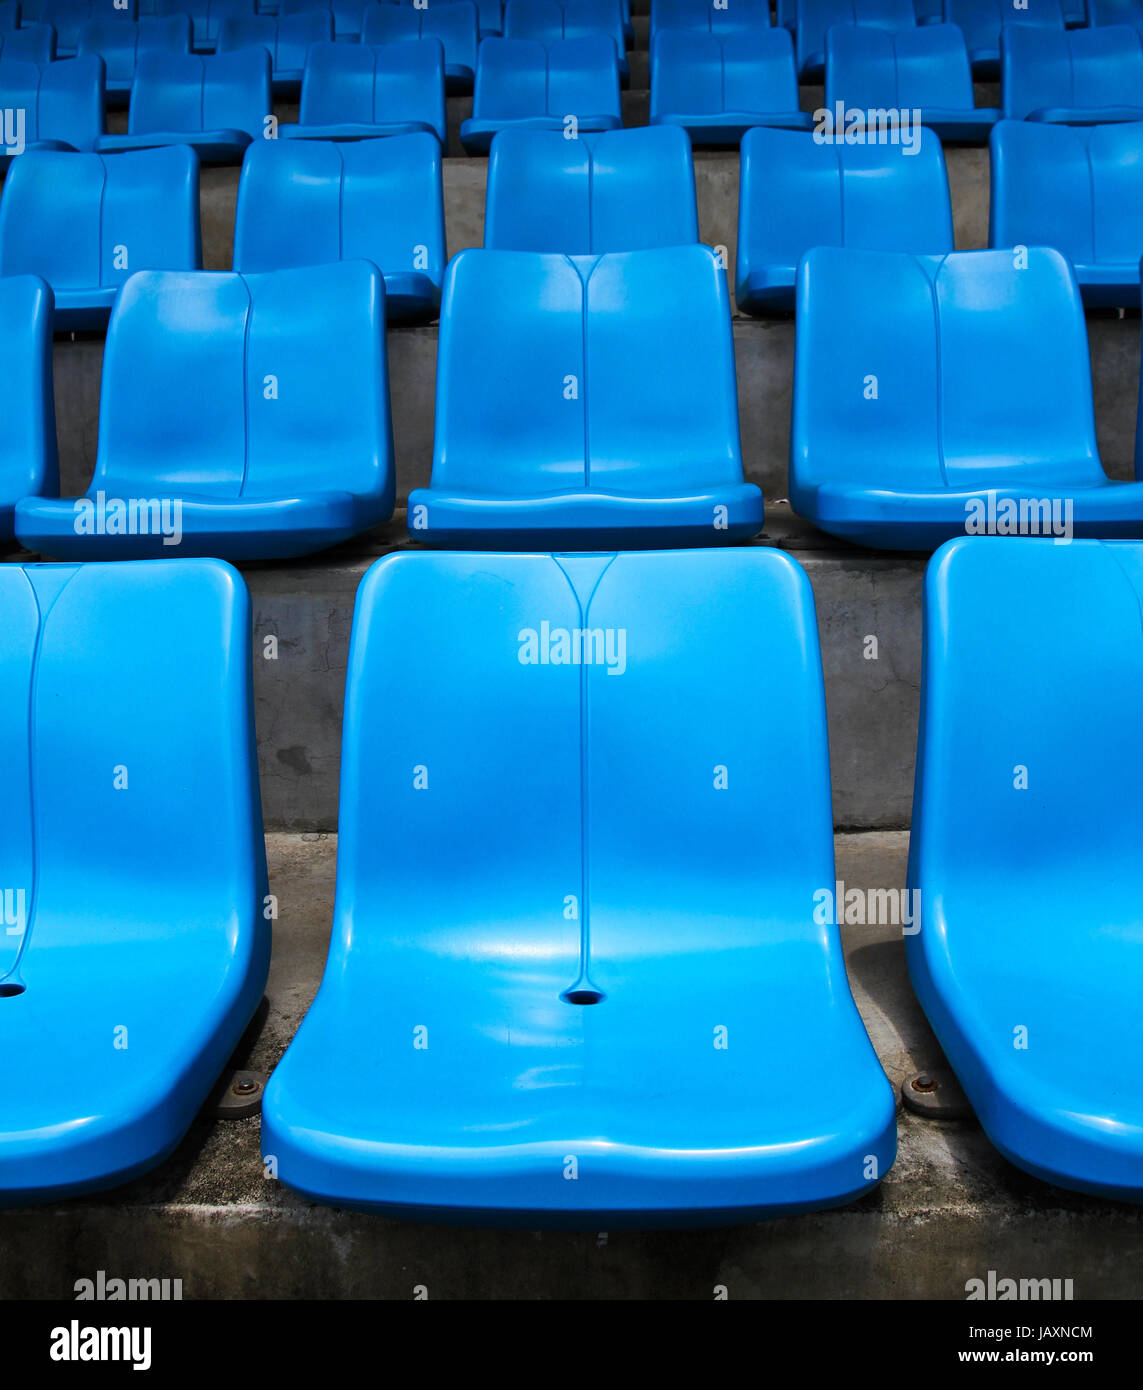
949 1210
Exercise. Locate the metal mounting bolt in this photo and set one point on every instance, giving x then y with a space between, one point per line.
924 1082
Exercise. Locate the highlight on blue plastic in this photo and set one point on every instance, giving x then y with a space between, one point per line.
1077 189
359 92
243 416
85 222
796 193
621 190
716 88
815 18
546 21
67 18
34 44
141 948
60 105
286 40
923 72
119 45
28 459
216 104
943 396
453 24
563 420
538 86
583 959
208 16
1027 959
1081 77
309 202
982 21
734 17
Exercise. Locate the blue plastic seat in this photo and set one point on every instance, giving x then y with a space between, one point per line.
717 88
738 16
85 222
1078 189
132 829
815 18
1027 961
535 1012
981 22
217 104
454 26
579 406
359 92
621 190
287 41
35 44
55 106
309 202
119 45
1082 77
67 18
9 15
207 17
1107 12
795 193
538 86
28 458
938 396
546 21
924 71
253 409
347 15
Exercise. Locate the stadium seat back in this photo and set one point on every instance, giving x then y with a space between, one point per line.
293 365
511 80
36 43
309 202
615 191
82 221
583 76
1083 69
928 385
61 101
621 416
119 45
188 92
68 17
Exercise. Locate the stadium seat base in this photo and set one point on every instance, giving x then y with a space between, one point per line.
212 146
585 521
476 135
243 529
352 131
728 127
925 520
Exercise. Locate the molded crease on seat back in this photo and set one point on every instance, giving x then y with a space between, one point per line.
702 16
1011 340
510 405
653 430
61 101
686 74
1042 188
454 26
317 399
1029 886
981 21
28 459
120 46
816 17
550 886
865 378
338 85
627 190
174 341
